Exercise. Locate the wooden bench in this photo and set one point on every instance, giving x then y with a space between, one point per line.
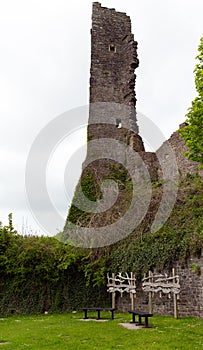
98 309
140 314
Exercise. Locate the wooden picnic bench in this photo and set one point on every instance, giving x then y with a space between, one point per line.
98 309
140 315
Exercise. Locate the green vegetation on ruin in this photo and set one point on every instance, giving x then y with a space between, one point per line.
39 273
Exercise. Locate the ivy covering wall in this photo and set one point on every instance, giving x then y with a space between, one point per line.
39 274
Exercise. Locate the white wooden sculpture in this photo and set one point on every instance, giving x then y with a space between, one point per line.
122 284
162 284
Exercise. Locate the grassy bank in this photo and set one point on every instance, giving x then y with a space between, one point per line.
68 331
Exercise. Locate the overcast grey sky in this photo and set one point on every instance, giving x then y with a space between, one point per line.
44 69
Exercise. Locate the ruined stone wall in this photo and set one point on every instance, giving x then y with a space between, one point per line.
190 302
185 166
152 164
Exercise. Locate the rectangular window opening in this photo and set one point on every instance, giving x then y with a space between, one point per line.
112 48
118 123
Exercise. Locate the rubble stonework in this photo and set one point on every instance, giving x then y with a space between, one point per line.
113 57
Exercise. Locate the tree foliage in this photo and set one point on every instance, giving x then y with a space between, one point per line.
193 131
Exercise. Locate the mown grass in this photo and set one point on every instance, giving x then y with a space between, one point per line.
67 331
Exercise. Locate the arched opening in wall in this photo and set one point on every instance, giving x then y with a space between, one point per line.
112 48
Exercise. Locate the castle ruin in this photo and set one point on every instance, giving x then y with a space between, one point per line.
112 115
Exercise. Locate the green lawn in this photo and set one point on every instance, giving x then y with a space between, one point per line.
67 331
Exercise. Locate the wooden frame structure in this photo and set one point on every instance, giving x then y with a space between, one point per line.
122 284
162 284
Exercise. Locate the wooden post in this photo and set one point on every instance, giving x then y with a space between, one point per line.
113 300
113 294
175 302
132 301
132 294
150 293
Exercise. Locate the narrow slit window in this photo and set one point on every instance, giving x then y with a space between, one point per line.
118 123
112 48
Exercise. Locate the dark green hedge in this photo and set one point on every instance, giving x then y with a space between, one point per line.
39 274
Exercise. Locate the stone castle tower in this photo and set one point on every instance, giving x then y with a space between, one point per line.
112 116
112 81
112 119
